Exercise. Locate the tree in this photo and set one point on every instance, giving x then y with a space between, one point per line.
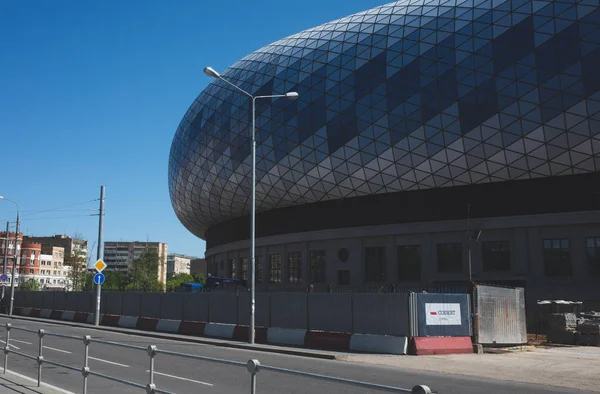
177 279
143 273
77 261
115 280
198 277
30 285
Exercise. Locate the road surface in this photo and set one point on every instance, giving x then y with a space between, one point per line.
181 375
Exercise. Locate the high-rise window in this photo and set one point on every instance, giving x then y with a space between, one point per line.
496 256
449 258
317 266
275 268
259 268
557 258
593 256
375 264
295 267
244 261
409 263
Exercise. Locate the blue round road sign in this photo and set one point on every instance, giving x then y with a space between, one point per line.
99 278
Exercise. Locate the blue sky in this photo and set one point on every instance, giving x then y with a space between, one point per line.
91 93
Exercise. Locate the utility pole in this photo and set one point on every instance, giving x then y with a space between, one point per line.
5 255
99 254
15 263
469 241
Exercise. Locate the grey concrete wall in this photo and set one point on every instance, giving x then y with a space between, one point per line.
289 310
150 305
112 303
171 306
195 306
330 312
48 299
262 313
38 300
132 303
223 308
384 314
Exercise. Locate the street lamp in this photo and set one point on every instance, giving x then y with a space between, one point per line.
16 260
289 95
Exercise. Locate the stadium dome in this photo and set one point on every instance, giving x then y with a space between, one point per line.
408 96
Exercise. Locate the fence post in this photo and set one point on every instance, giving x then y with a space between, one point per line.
6 350
253 366
421 389
151 387
85 371
40 358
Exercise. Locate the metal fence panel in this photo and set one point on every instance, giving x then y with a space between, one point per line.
382 314
112 303
60 303
84 301
195 306
262 311
132 303
71 302
289 310
171 306
501 317
150 305
442 315
330 312
223 308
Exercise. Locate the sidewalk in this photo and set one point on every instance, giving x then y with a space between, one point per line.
561 366
15 383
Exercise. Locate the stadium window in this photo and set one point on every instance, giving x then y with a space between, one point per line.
244 261
409 263
317 266
449 258
496 256
259 268
294 267
232 271
274 268
343 277
375 264
557 258
593 256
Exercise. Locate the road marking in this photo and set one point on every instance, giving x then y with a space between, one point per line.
108 362
11 345
56 350
180 378
26 343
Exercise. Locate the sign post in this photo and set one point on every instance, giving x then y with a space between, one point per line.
98 280
100 254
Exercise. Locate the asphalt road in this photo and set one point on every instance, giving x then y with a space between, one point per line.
183 375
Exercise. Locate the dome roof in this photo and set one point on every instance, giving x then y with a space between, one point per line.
406 96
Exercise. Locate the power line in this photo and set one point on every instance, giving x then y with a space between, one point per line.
37 212
59 217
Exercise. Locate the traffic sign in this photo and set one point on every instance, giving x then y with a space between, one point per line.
3 278
100 265
99 278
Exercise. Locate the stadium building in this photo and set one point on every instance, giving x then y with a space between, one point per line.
433 142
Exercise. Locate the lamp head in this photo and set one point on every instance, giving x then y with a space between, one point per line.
292 95
211 72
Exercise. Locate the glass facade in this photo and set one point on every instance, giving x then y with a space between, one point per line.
410 95
557 258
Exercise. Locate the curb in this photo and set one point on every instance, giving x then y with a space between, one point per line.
320 340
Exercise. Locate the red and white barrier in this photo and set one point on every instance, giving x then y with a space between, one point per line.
336 341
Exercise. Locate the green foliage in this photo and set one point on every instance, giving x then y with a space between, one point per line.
31 285
115 280
177 279
143 273
198 278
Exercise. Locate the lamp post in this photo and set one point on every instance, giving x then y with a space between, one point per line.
292 96
16 260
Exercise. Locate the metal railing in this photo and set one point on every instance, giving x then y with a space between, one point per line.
253 366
